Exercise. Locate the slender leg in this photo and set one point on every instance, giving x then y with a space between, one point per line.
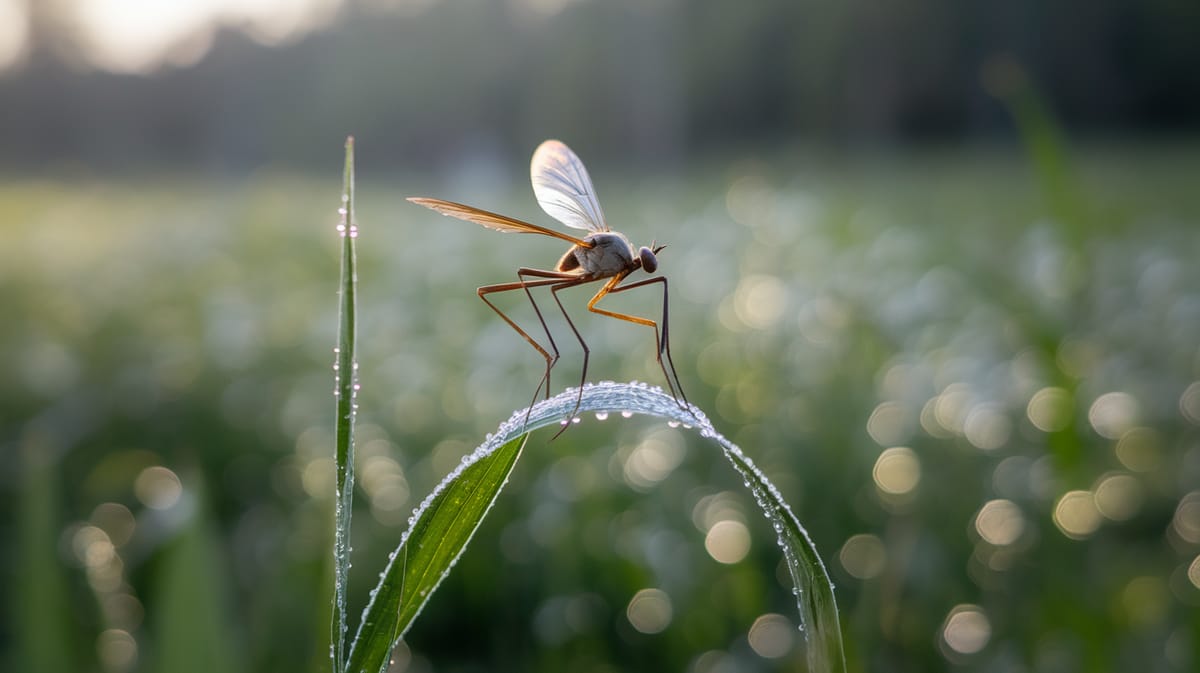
586 351
545 278
663 344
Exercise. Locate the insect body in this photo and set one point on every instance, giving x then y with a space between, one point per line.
564 190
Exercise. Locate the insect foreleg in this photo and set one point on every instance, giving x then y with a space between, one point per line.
662 344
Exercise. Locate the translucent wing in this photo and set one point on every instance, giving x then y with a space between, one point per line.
492 220
563 188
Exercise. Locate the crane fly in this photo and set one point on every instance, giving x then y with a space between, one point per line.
564 190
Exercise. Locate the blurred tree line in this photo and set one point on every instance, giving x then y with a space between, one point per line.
658 80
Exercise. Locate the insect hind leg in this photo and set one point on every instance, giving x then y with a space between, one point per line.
579 337
543 278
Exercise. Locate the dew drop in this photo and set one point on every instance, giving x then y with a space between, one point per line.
627 414
673 424
601 415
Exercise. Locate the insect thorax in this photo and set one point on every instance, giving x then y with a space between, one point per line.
611 254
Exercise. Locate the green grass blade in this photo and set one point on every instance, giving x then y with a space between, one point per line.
813 588
193 628
40 613
437 536
346 389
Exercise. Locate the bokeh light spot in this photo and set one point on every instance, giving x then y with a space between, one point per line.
887 424
771 636
728 541
158 487
386 486
653 459
1145 600
116 650
967 629
1112 414
123 610
1000 522
987 427
897 471
318 478
92 547
115 520
1193 572
1118 497
1139 449
863 556
649 611
952 406
1050 409
1076 357
717 507
929 420
1011 477
1189 403
1186 522
759 301
1076 514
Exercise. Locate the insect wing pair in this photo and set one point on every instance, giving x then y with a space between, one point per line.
564 190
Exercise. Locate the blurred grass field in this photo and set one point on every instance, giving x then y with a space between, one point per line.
979 390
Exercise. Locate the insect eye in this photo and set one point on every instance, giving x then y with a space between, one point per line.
649 261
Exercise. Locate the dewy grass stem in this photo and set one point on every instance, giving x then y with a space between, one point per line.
346 392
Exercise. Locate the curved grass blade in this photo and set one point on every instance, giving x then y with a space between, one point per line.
813 588
346 389
437 535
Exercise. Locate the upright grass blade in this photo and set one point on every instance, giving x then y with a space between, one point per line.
39 609
437 535
192 625
346 390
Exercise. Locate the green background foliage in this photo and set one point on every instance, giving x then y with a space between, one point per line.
824 308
